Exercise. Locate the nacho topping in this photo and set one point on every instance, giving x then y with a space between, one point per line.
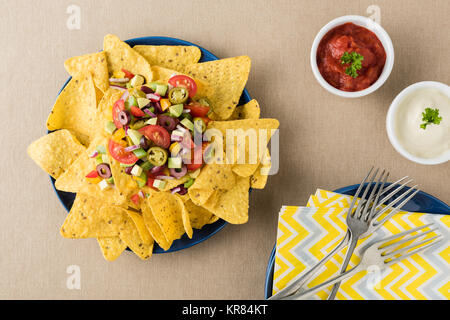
138 139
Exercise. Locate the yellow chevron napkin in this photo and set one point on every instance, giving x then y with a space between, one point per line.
307 234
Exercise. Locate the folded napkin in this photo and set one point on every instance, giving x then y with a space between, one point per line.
307 234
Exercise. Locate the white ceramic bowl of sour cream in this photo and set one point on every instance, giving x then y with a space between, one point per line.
404 117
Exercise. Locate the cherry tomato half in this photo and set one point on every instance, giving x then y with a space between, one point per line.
135 111
185 82
198 110
195 154
117 151
128 74
135 198
118 106
157 134
92 174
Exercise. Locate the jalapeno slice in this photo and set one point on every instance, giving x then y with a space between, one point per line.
178 95
157 156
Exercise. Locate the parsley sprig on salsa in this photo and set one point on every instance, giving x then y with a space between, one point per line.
354 59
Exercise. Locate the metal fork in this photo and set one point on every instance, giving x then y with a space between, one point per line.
296 285
381 253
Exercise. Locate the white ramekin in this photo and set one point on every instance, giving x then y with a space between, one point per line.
382 36
390 122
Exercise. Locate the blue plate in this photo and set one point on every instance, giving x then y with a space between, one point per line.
421 202
208 230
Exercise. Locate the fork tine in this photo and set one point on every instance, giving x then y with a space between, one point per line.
401 234
407 248
434 241
393 184
377 198
396 208
394 192
409 239
358 208
374 195
358 191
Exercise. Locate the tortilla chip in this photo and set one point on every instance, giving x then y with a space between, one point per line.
120 55
123 182
75 109
198 216
259 179
204 90
227 77
55 152
112 247
140 225
95 63
212 177
75 176
250 110
247 161
84 220
153 227
169 213
128 231
231 205
171 57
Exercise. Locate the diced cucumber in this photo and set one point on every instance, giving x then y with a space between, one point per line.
161 89
188 124
135 136
176 110
110 127
137 81
175 163
140 153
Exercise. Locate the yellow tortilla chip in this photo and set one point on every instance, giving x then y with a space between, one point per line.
204 90
75 109
153 227
75 176
250 110
112 247
127 230
140 225
123 182
171 57
246 158
212 177
169 212
231 205
84 220
259 178
95 63
227 77
55 152
198 216
120 55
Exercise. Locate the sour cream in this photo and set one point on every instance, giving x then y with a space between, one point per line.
406 118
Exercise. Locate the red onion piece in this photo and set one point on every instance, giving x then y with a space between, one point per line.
118 87
186 110
176 138
153 96
181 128
119 80
156 170
175 190
162 177
93 154
125 95
141 194
131 148
151 114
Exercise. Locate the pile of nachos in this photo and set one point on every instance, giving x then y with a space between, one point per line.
129 135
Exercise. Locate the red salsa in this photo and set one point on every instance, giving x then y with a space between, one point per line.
352 39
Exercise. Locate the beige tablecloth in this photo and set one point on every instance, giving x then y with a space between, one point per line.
326 141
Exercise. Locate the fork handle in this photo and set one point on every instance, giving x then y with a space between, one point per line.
310 292
295 286
348 255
